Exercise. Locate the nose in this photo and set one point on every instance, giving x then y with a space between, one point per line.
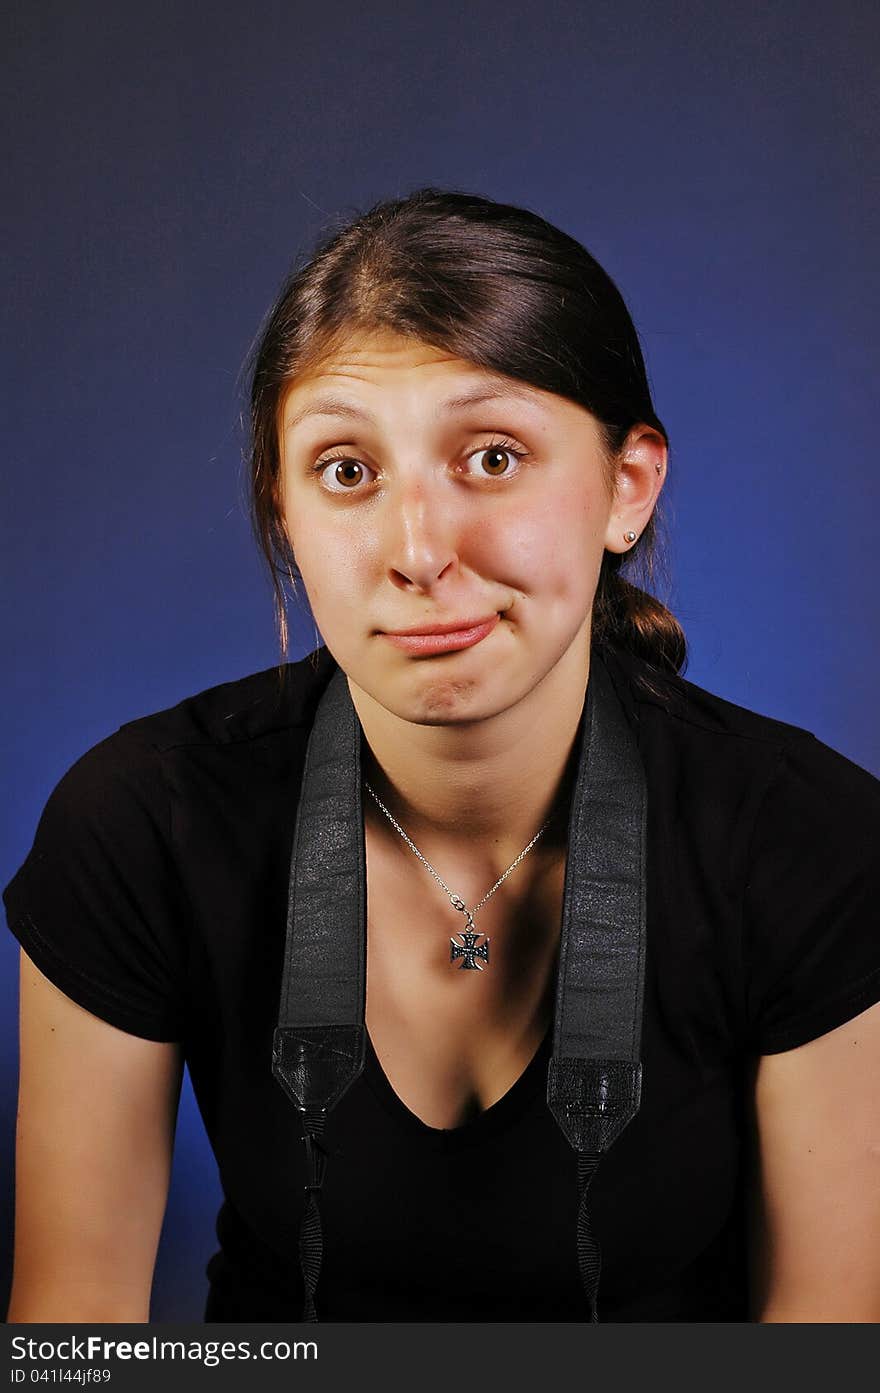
420 538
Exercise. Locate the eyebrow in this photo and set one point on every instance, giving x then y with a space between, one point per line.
329 405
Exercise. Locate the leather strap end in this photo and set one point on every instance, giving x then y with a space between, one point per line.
316 1064
592 1100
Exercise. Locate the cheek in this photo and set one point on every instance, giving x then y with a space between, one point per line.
325 555
547 546
331 587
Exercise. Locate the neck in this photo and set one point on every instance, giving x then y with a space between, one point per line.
486 787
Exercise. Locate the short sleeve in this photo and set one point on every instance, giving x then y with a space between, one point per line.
97 903
811 918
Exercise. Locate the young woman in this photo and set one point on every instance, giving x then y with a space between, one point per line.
518 978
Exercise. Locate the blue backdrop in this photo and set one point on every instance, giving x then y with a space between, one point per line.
168 162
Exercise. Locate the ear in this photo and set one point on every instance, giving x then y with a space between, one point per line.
641 472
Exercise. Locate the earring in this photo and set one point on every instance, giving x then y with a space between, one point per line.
629 536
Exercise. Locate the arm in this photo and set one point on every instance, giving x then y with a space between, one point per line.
816 1179
96 1118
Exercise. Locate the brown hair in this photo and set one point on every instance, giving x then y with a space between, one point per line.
499 287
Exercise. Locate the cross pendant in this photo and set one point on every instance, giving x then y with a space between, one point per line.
470 952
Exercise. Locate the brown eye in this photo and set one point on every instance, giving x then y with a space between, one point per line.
343 475
496 461
348 472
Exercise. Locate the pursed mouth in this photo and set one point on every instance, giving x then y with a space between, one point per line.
461 626
441 639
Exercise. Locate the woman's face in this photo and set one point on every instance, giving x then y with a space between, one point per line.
418 491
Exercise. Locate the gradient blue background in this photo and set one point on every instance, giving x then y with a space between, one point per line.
165 169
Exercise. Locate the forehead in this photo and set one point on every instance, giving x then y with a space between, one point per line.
361 354
365 365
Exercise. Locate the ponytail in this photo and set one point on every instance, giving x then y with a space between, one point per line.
632 619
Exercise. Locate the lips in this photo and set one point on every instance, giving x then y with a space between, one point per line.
443 638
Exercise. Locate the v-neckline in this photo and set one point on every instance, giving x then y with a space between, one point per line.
498 1116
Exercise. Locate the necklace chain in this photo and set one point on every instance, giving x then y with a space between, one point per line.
456 900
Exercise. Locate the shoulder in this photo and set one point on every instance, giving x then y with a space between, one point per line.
772 812
122 783
648 692
679 723
244 710
758 825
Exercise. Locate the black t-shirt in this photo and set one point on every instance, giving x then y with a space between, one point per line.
155 896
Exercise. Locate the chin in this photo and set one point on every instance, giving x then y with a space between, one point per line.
443 699
448 702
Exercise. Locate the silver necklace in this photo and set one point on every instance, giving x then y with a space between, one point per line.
467 950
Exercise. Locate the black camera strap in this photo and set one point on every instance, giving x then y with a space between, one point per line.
594 1075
